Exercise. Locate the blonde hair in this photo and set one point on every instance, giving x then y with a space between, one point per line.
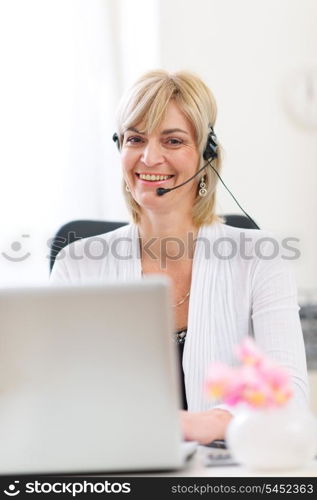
146 101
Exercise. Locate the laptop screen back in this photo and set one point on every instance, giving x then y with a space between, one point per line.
88 379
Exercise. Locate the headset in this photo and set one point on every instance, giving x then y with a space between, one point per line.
209 154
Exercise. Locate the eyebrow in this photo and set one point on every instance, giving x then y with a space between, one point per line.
172 130
165 132
133 129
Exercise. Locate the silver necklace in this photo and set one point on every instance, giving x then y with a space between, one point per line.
182 300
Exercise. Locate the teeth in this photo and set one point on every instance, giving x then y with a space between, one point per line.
148 177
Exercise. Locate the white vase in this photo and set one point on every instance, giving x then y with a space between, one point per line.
276 439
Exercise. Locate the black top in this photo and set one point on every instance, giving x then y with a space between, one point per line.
180 337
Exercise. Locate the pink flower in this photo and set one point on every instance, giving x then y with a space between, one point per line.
278 381
248 353
218 380
255 389
223 383
259 382
235 390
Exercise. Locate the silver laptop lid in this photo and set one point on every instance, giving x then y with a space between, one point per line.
88 379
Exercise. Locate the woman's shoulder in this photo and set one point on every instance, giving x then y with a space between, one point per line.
249 247
95 256
94 244
223 230
236 240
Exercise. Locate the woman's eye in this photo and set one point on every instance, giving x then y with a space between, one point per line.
134 140
174 142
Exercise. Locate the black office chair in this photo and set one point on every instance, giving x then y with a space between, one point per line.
78 229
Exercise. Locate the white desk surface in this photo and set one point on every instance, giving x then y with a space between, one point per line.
196 468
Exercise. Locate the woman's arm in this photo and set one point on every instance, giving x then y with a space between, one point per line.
276 323
277 331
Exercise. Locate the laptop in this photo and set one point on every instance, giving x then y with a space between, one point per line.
89 379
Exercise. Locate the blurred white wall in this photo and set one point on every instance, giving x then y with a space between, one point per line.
63 67
246 51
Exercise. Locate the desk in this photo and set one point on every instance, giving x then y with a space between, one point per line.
196 468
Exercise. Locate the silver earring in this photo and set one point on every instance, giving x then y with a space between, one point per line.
127 188
202 187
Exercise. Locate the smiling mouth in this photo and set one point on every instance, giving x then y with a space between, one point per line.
154 177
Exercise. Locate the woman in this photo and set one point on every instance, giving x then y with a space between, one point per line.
220 293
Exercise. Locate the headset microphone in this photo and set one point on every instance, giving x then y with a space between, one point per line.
161 191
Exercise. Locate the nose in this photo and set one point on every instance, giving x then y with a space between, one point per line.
152 154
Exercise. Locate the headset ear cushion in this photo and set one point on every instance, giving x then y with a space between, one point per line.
115 139
210 152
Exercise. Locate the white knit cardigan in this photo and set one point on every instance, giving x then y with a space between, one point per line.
236 290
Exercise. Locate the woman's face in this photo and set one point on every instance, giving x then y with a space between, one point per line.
169 155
